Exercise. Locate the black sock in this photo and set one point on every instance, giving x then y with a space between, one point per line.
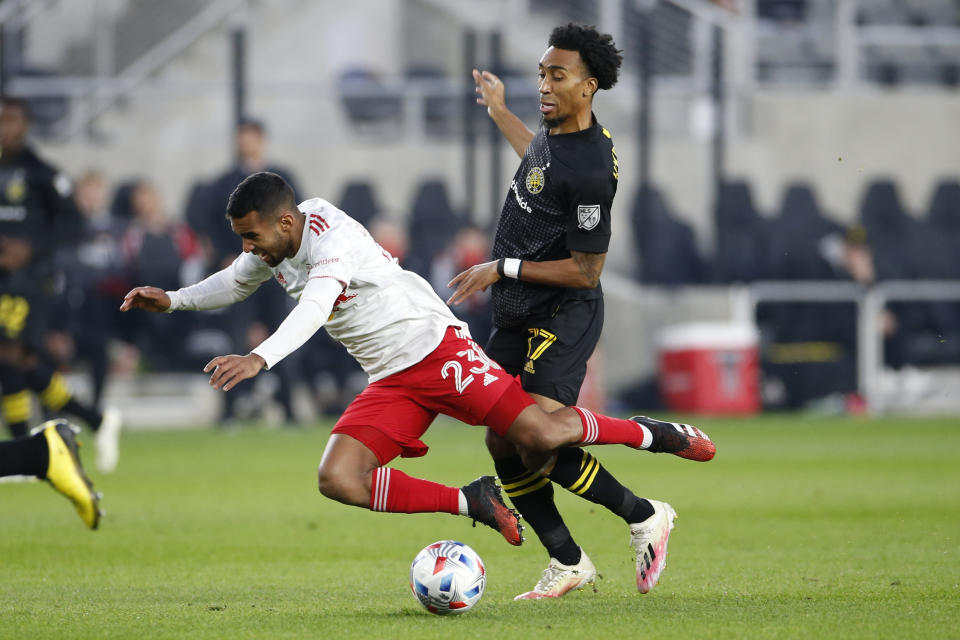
91 416
56 396
17 401
580 473
18 429
532 494
25 457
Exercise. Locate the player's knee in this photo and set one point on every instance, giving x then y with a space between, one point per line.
343 483
533 438
333 483
498 446
538 461
326 482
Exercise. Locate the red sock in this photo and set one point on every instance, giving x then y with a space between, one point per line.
601 429
396 492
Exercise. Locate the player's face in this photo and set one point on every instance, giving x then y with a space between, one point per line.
250 144
13 127
565 87
264 237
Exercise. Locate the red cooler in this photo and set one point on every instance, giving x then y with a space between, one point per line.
710 368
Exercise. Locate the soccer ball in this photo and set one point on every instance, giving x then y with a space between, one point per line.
447 577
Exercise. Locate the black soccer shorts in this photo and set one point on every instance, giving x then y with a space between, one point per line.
550 351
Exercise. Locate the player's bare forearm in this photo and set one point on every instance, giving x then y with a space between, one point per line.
590 266
146 298
513 129
476 278
229 371
579 271
492 96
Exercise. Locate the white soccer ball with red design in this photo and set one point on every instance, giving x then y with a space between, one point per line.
447 577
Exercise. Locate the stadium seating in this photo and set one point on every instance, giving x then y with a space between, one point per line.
359 201
367 99
796 234
432 223
742 250
905 248
668 250
943 217
440 108
810 347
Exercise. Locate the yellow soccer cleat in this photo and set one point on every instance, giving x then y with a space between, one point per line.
65 473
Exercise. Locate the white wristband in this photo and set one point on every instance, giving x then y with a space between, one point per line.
511 267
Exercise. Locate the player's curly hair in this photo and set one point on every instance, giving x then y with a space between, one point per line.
264 192
596 49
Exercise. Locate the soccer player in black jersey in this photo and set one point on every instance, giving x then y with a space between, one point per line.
549 251
35 213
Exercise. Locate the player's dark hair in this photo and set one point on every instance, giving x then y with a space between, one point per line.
263 192
248 122
597 50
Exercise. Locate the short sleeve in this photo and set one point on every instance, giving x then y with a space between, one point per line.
588 212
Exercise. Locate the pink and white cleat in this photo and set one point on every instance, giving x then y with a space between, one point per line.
649 541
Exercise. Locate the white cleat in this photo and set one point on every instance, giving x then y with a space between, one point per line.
649 541
107 440
559 579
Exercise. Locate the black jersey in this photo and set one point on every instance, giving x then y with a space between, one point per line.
559 201
34 207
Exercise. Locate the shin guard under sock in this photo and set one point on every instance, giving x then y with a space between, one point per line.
394 491
579 472
532 495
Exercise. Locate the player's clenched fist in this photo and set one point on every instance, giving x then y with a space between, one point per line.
147 298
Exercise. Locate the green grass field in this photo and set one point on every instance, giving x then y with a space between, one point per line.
800 528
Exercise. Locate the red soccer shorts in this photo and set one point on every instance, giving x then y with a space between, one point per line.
457 379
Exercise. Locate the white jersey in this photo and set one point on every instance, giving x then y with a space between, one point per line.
387 318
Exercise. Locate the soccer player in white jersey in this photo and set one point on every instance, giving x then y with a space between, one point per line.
419 357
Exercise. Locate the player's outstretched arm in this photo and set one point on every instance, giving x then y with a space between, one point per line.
580 271
146 298
491 91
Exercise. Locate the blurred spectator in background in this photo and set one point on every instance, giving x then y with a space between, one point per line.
858 264
36 214
470 246
158 249
207 216
95 276
392 237
262 312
